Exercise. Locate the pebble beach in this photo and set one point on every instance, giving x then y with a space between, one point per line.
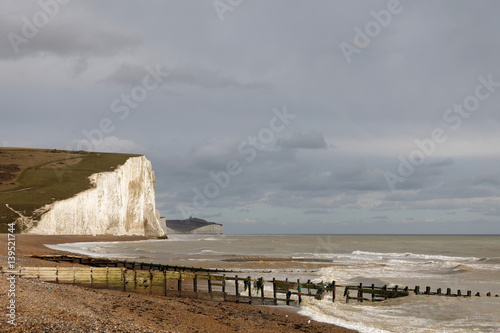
50 307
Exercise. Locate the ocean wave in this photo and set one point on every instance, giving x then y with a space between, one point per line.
494 260
457 267
208 251
414 256
191 238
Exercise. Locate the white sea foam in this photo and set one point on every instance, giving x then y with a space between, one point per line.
414 256
335 313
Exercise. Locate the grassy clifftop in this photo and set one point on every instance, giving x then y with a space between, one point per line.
32 178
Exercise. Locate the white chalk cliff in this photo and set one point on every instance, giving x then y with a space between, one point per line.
121 202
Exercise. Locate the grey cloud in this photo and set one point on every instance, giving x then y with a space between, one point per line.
426 175
66 36
443 163
181 74
379 217
126 73
197 76
492 212
490 178
309 140
209 216
317 211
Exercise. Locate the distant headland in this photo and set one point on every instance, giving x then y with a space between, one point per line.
193 226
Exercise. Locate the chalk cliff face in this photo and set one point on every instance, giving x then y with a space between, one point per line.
121 202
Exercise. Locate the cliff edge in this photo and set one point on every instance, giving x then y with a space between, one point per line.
116 202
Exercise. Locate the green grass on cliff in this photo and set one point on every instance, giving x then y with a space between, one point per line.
32 178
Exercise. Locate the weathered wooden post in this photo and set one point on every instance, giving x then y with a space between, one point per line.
179 284
236 287
427 290
417 290
488 294
274 292
288 291
74 275
439 291
333 291
107 277
360 293
448 291
262 291
299 289
469 293
459 293
91 278
346 294
57 274
250 289
195 284
124 277
165 285
210 286
224 286
135 279
373 292
150 280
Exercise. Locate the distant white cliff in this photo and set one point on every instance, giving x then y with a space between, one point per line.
121 202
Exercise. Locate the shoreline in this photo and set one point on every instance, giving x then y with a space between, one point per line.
62 307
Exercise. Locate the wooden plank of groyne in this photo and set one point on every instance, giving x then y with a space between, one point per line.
171 275
66 275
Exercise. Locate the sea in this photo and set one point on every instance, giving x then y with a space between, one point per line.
459 262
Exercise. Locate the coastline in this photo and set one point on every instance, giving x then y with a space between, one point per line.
63 307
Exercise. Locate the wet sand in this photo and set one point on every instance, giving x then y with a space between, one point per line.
53 307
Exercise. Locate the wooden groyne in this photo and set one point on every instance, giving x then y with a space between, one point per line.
215 286
181 283
104 262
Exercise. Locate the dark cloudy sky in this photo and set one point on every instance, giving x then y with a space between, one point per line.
272 116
